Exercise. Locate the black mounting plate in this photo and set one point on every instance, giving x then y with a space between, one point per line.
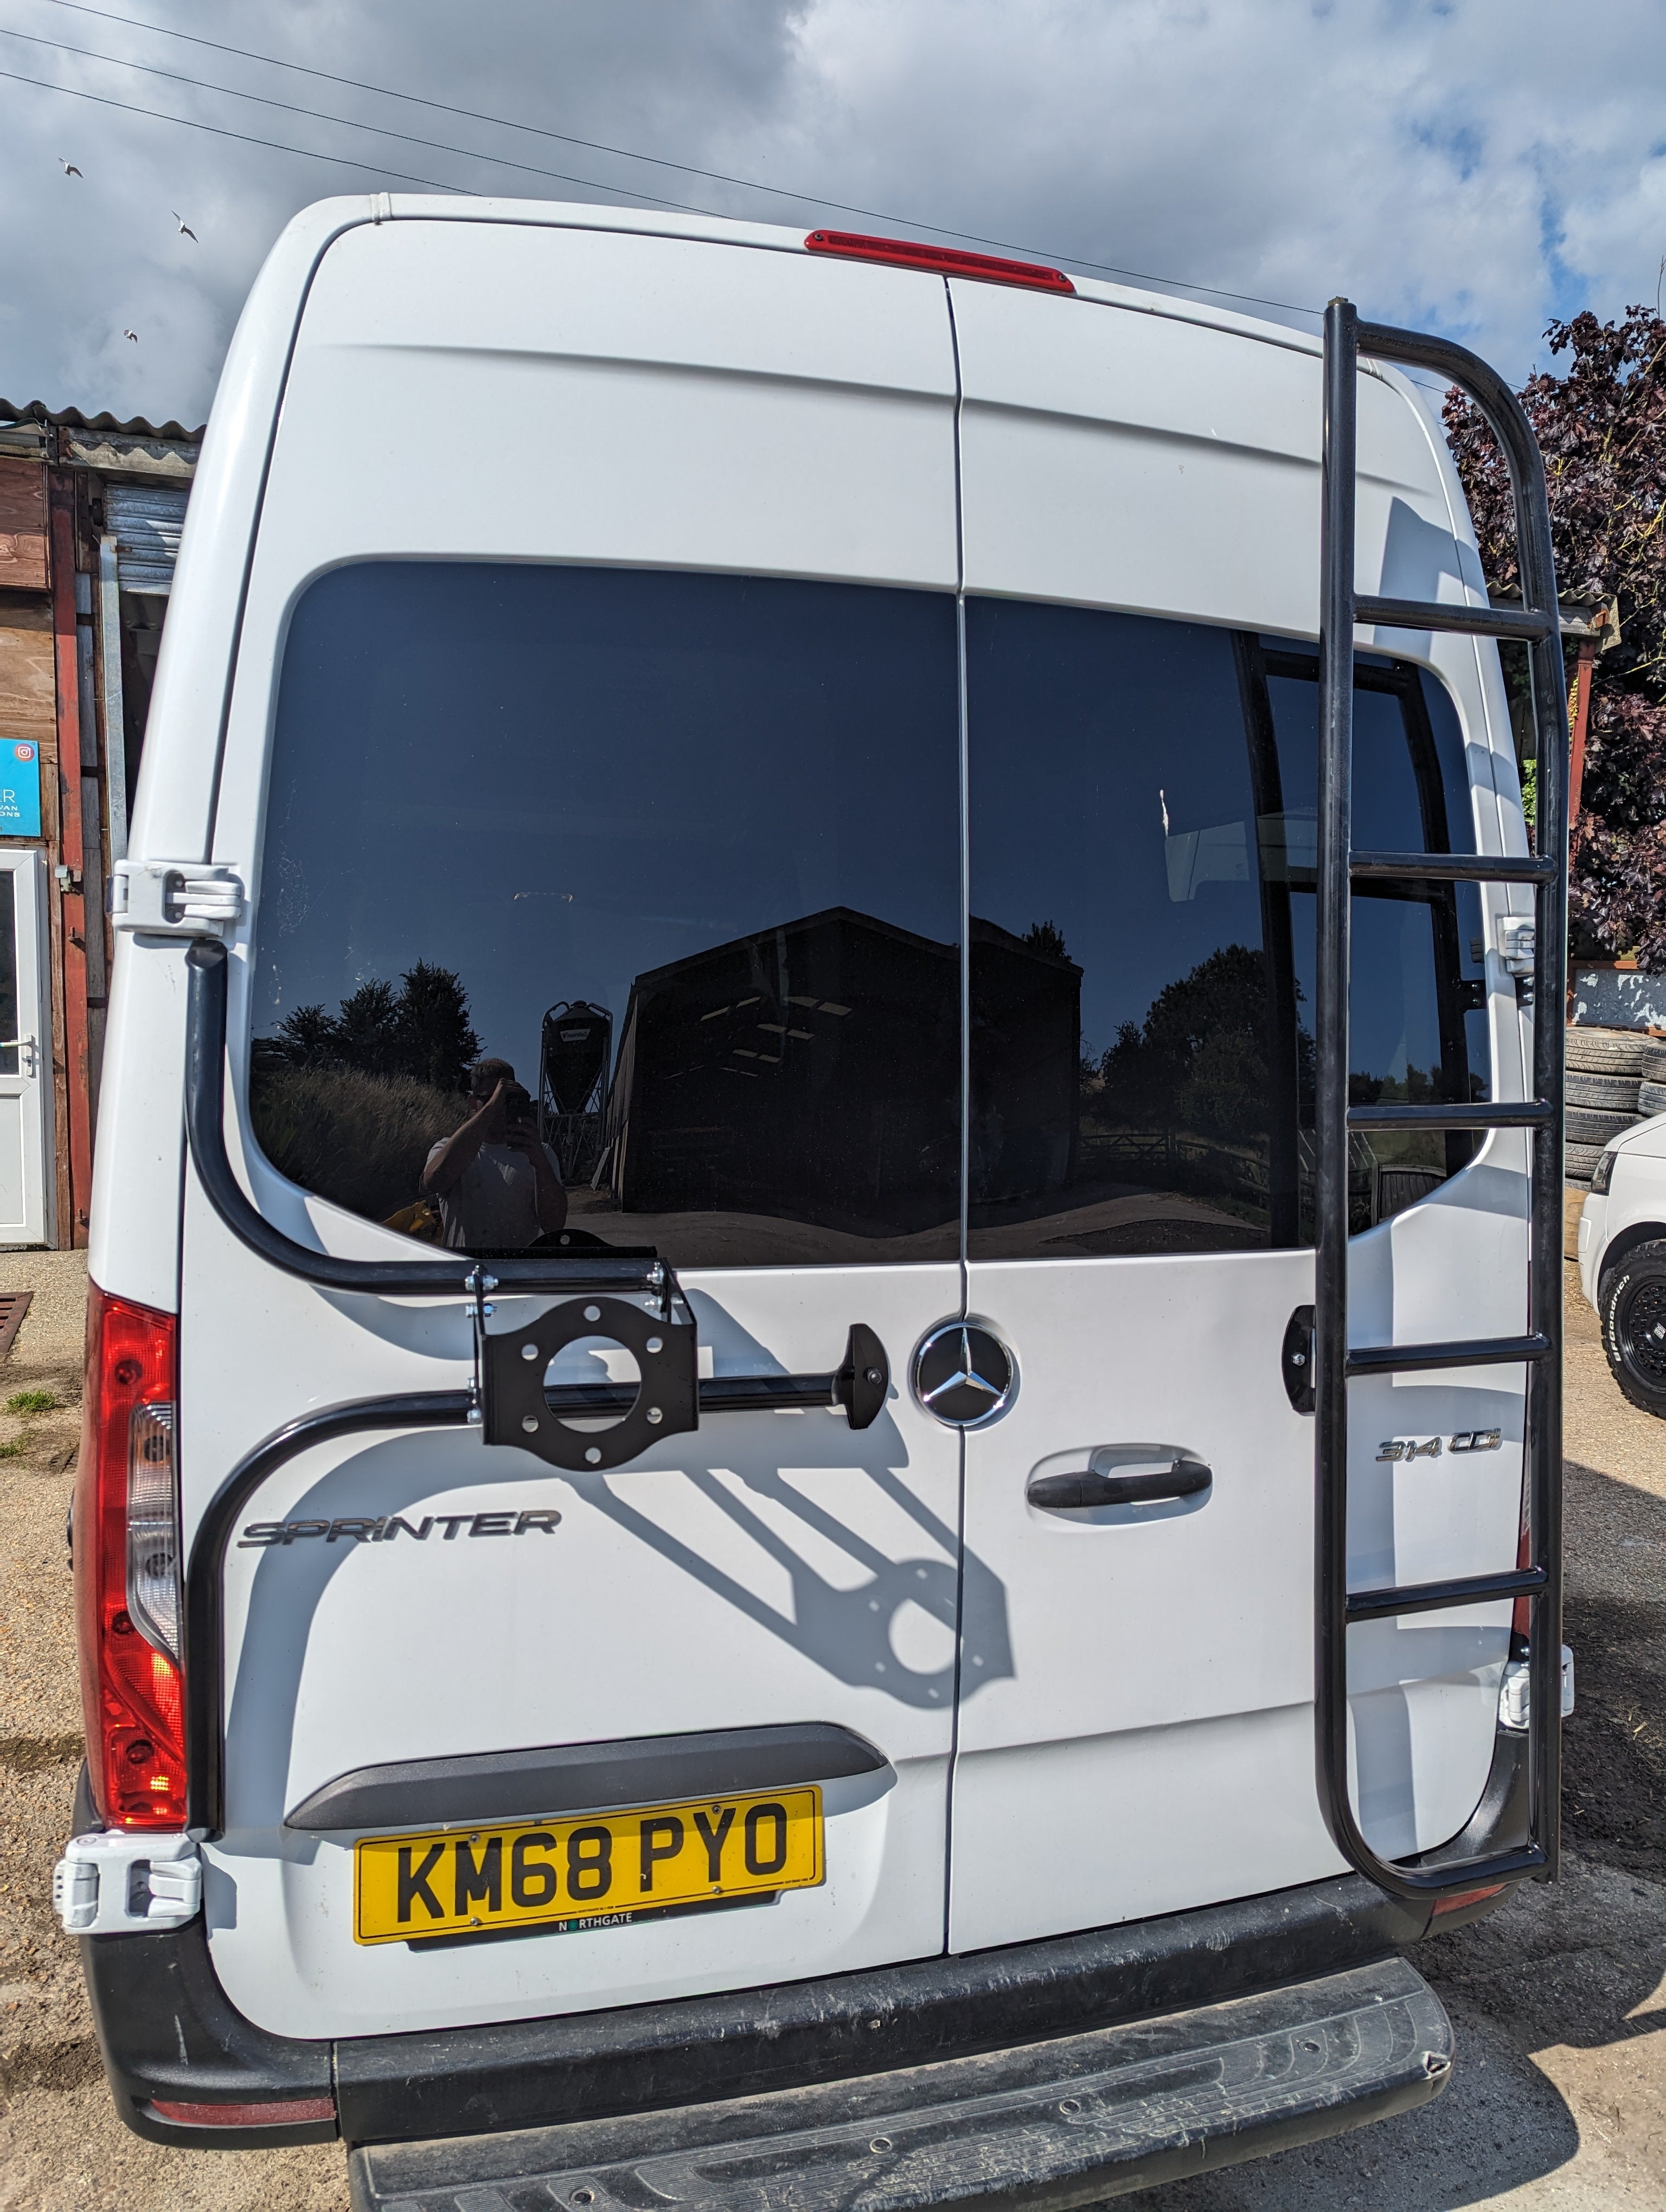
513 1362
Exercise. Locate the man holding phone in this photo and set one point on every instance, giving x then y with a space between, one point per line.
498 1185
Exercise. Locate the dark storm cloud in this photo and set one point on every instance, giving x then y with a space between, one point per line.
1466 164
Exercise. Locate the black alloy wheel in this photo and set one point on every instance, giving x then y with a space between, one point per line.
1632 1300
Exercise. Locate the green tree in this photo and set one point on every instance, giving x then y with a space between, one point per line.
422 1030
1199 1061
435 1041
1601 427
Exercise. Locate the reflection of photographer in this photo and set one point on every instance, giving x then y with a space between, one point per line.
498 1184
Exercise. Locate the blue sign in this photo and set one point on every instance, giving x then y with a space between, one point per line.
20 787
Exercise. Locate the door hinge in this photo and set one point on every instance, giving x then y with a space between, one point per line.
1514 1695
117 1880
1518 943
175 898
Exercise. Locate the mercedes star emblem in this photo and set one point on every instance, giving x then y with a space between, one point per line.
964 1375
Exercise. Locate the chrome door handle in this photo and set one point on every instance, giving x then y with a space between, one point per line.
1184 1477
23 1045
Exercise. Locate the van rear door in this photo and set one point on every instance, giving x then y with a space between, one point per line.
1142 846
599 652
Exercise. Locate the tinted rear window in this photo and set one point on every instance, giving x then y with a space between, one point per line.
605 906
681 850
1143 852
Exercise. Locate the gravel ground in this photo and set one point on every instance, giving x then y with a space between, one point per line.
1558 2100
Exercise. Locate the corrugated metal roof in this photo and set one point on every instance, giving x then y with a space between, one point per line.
71 418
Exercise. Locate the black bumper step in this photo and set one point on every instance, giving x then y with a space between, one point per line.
1056 2124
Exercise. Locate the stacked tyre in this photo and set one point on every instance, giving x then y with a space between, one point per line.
1652 1091
1609 1072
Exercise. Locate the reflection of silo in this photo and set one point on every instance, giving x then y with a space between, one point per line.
575 1047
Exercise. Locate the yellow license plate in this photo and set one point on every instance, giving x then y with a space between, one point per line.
601 1865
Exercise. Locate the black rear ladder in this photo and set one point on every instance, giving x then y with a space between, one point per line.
1539 1580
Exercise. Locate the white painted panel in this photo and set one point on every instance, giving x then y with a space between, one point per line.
771 1567
28 1164
1120 459
1184 1815
1155 1652
1159 1688
653 401
525 392
174 802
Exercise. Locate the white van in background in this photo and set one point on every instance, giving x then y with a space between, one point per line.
1622 1251
698 1551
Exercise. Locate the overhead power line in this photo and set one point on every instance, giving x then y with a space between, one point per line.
347 122
188 122
497 122
599 146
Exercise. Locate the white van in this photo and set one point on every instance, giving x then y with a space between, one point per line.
697 1547
1622 1259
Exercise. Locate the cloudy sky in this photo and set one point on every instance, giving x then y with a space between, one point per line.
1477 165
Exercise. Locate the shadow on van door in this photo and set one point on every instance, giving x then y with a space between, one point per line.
861 1633
865 1577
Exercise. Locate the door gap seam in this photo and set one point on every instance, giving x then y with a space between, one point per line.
964 796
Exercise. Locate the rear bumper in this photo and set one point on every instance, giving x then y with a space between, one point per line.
1062 2122
169 2032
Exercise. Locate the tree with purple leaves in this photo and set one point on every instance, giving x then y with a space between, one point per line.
1602 427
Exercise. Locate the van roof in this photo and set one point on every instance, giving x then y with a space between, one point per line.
776 238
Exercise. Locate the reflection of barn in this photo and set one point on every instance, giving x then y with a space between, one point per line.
813 1071
809 1070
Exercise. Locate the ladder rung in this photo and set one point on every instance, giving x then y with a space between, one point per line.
1479 1351
1453 867
1517 1113
1471 621
1435 1597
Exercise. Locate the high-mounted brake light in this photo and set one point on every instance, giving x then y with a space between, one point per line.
128 1573
939 260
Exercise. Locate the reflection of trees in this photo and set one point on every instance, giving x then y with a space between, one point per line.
1200 1060
1419 1086
1186 1099
420 1031
348 1104
1045 937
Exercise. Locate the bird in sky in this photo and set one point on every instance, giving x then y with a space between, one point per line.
186 230
131 334
68 167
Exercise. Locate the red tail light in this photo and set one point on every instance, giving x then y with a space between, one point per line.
128 1573
285 2113
939 260
1459 1898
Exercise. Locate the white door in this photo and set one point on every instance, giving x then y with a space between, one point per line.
673 733
1141 850
26 1179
